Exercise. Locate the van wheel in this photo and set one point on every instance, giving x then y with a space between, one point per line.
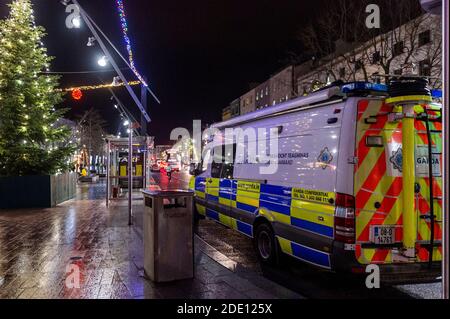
265 244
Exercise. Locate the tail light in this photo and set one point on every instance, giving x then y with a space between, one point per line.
344 219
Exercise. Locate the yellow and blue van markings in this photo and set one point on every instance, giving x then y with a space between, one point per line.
305 253
235 224
201 209
310 210
200 187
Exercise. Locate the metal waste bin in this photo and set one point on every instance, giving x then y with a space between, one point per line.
168 235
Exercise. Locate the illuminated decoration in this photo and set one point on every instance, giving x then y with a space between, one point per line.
124 25
77 94
97 87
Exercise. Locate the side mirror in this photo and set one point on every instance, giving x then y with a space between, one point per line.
193 169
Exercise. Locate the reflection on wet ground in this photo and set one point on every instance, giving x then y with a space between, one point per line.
42 251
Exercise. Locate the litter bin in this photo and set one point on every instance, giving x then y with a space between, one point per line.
168 235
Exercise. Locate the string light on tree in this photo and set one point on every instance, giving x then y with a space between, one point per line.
22 59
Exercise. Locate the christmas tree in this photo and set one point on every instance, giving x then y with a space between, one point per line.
32 142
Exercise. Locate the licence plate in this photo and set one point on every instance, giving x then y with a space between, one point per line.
382 235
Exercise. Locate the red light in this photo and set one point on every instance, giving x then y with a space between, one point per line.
344 200
344 219
77 94
357 270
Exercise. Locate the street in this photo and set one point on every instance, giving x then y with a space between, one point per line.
299 277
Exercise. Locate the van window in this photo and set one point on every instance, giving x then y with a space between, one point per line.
205 160
223 162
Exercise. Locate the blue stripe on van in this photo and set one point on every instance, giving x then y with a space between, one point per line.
245 228
276 190
316 228
212 198
311 255
225 183
212 214
200 184
245 207
277 208
225 194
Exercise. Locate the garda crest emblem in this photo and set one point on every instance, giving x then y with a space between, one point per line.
325 158
397 159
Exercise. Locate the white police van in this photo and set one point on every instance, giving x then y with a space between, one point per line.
343 173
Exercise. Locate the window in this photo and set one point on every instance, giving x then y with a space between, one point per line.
267 90
424 37
376 57
205 161
398 72
223 162
425 68
342 73
398 48
358 65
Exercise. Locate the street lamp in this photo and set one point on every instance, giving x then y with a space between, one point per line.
76 22
103 61
91 42
126 123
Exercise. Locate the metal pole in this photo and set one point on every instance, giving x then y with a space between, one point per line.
130 177
110 59
446 168
144 105
108 167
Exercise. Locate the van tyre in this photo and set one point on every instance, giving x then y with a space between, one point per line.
265 244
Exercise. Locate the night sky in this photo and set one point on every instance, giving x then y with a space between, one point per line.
197 55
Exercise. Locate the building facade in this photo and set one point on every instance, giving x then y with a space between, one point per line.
282 86
414 46
235 107
262 95
233 110
248 100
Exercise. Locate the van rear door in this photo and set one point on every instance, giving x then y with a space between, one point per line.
378 185
428 139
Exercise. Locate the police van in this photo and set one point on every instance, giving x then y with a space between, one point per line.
353 184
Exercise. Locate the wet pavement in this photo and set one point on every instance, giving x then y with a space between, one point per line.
43 251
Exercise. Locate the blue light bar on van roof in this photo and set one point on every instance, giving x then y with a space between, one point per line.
436 94
363 86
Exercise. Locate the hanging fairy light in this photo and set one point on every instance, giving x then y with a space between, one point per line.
124 25
97 87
